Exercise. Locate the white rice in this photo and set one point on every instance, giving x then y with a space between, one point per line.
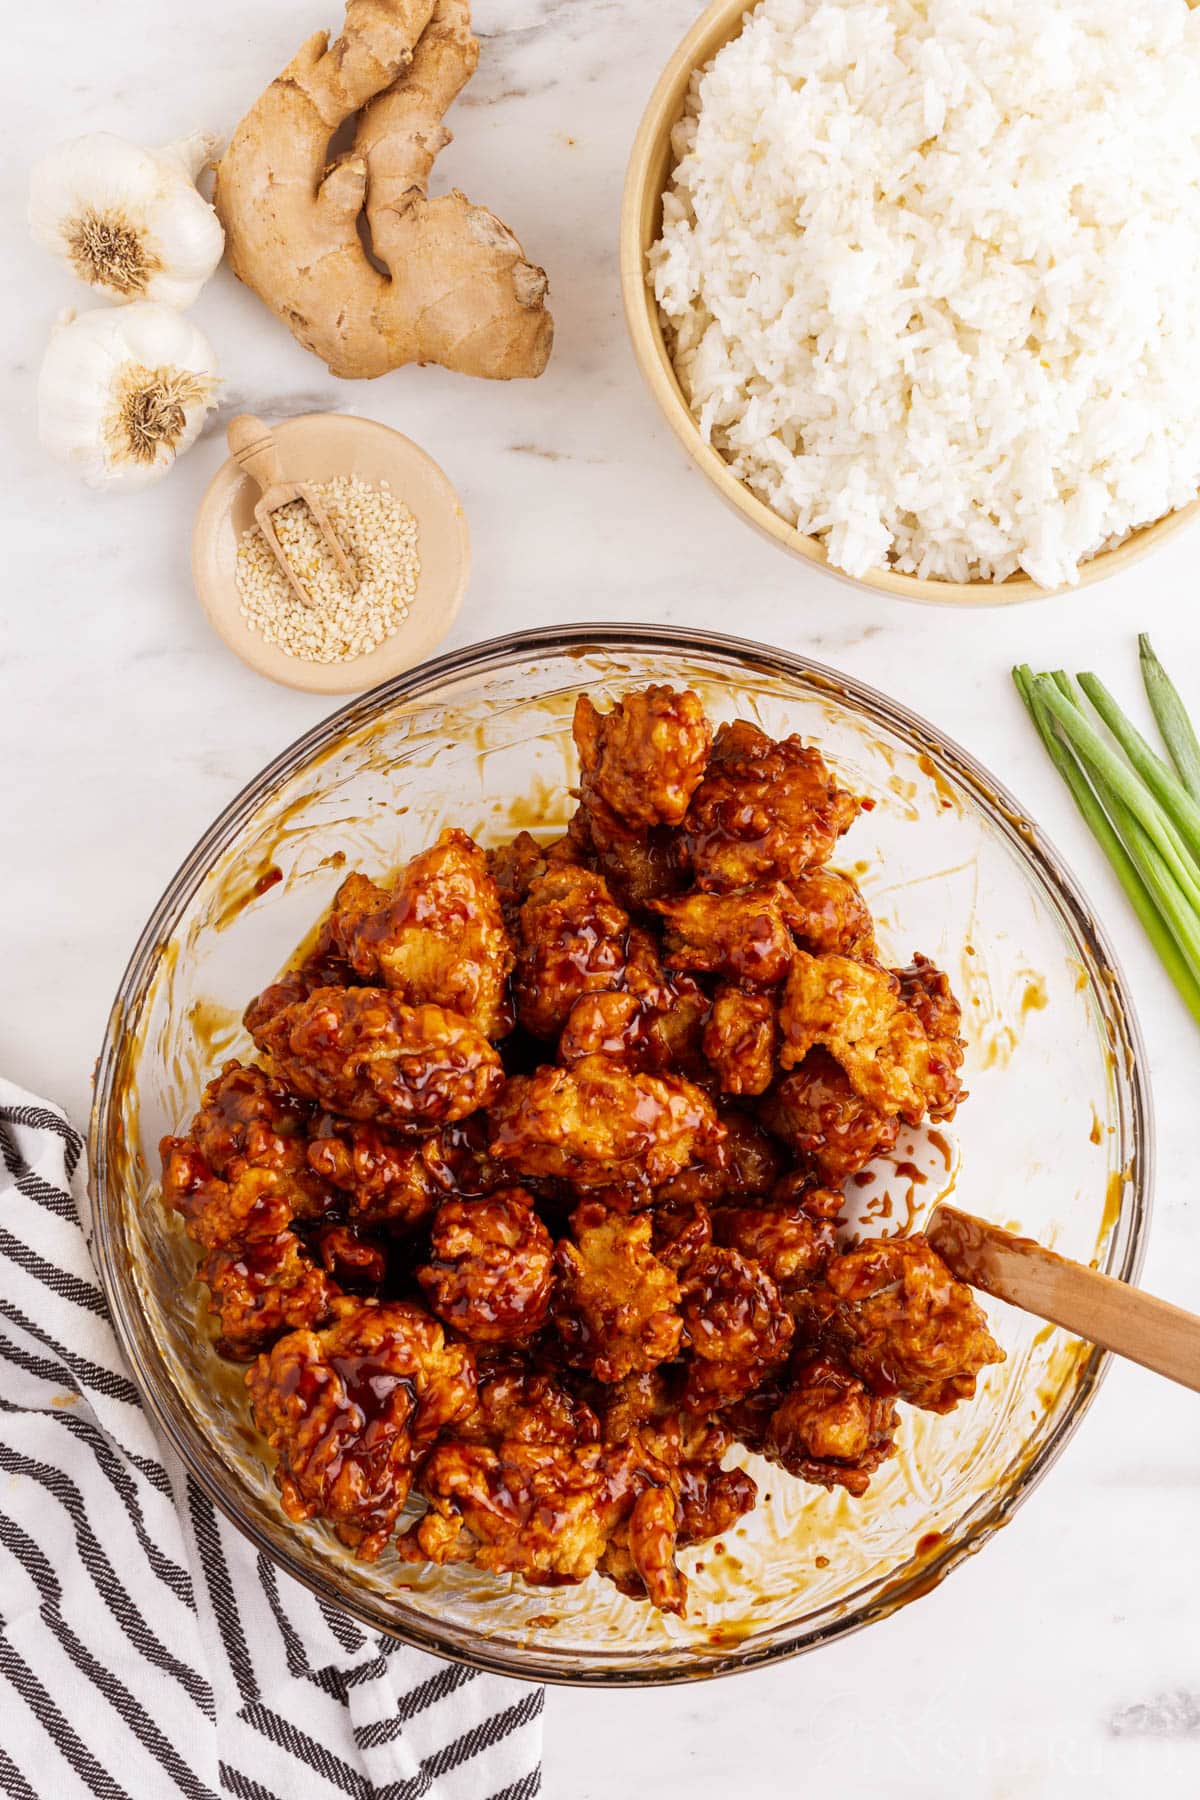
930 270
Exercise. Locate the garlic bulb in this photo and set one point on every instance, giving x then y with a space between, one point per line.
129 221
123 391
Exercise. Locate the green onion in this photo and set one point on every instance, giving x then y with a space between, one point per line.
1096 756
1073 691
1171 718
1141 873
1166 786
1148 837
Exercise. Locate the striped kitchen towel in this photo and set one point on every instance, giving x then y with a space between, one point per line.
147 1650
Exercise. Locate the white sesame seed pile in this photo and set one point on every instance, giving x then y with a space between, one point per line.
379 536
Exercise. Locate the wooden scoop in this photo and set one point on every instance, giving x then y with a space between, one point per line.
254 450
1152 1332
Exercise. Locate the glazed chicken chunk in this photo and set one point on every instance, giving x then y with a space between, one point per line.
570 941
692 1446
823 1424
490 1268
782 1238
742 935
736 1326
764 811
350 1410
437 936
247 1118
599 1124
547 1512
518 1405
739 1041
857 1012
615 1308
365 1054
830 1128
263 1287
644 759
908 1327
828 913
639 865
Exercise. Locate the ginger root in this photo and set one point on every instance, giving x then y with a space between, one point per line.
457 288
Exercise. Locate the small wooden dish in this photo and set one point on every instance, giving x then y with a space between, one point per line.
318 447
650 165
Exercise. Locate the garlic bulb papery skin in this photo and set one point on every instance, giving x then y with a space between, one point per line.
123 391
126 220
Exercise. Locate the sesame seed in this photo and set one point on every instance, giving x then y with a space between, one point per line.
378 534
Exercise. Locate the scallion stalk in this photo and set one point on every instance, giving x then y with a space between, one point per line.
1098 759
1171 717
1147 882
1163 782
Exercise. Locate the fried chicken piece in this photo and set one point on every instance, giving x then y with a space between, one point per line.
682 1232
546 1512
491 1267
356 1263
246 1117
261 1288
739 1041
821 1424
514 867
527 1407
824 1122
674 1008
365 1054
927 991
570 941
828 913
764 810
294 987
645 758
436 937
858 1012
742 935
784 1240
736 1326
262 1280
639 1558
752 1163
653 1020
387 1178
243 1172
259 1203
394 1181
351 1409
711 1499
615 1306
639 866
908 1328
610 1024
600 1124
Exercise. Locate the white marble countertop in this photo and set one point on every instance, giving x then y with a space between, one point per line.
1064 1662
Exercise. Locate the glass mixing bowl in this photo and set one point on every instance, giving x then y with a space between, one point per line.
1055 1140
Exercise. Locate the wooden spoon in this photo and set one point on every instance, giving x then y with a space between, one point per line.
1152 1332
254 450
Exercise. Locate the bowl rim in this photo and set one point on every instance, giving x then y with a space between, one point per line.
887 1594
640 211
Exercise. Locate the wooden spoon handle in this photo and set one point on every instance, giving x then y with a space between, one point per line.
254 450
1152 1332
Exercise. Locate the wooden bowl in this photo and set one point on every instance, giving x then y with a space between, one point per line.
318 447
650 165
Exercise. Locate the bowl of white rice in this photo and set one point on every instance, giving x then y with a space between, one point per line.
917 282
